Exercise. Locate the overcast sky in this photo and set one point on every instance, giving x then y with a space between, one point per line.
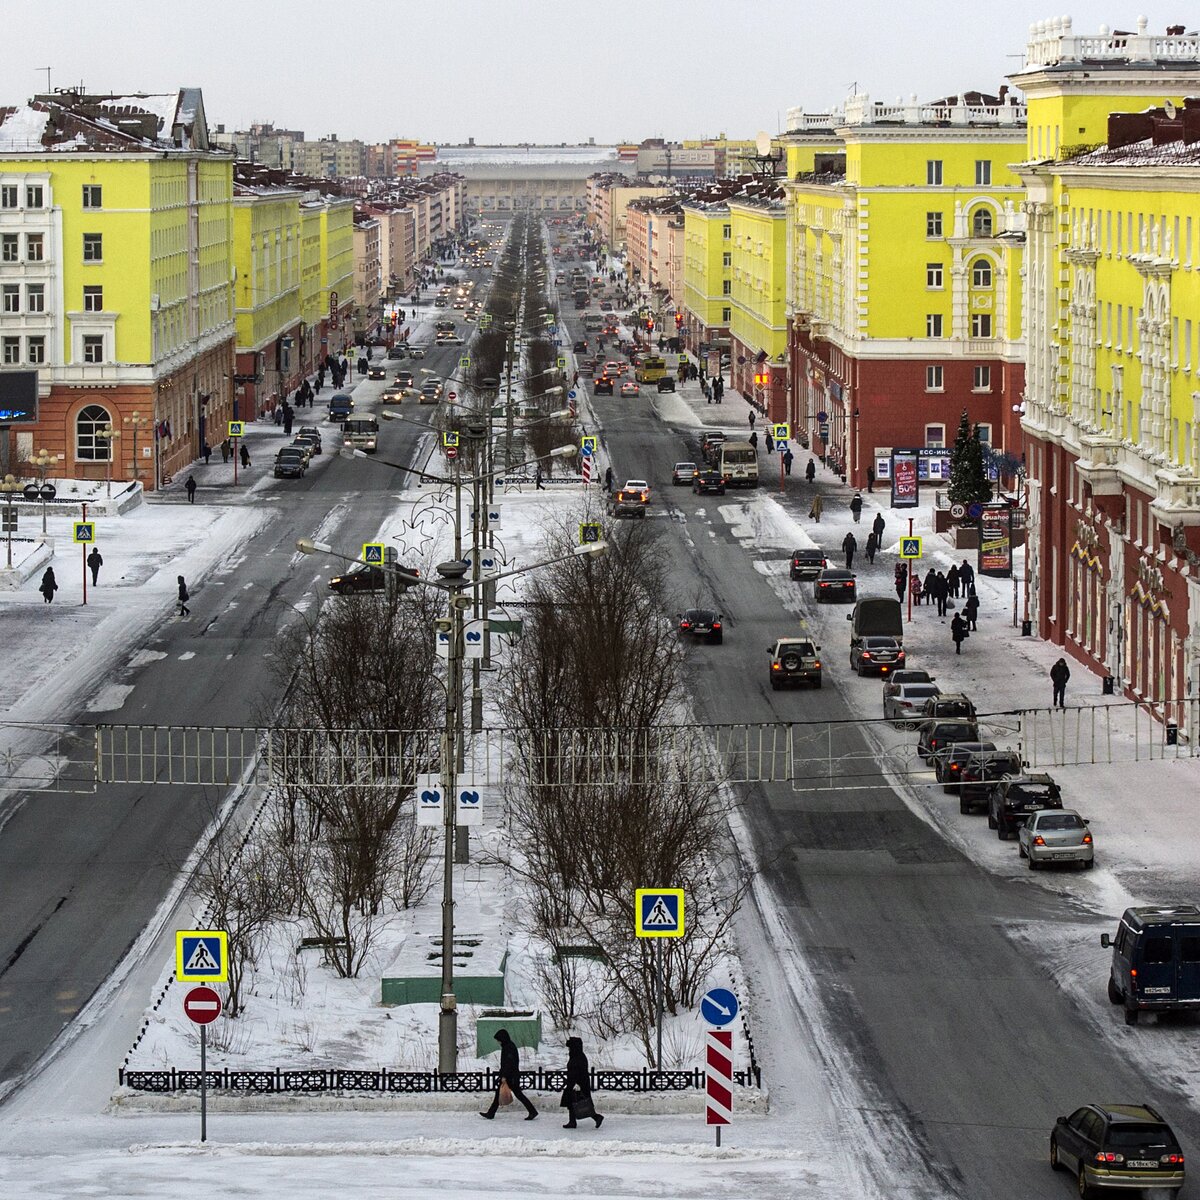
528 70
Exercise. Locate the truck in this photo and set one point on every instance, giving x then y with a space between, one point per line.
875 616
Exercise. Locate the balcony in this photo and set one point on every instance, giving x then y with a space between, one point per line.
1099 464
1178 498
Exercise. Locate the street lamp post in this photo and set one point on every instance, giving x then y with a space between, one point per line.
44 460
110 435
9 487
136 423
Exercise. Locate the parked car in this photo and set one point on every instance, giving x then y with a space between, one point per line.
973 773
290 462
949 705
949 763
708 483
1052 836
808 562
835 585
666 383
794 660
1155 960
682 474
1117 1146
902 705
936 735
377 371
1015 797
703 624
311 432
602 386
876 656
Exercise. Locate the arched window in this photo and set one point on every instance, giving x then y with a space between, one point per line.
981 222
89 445
981 273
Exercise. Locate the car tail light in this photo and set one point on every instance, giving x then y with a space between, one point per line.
1039 840
904 703
824 585
684 624
717 625
775 667
1107 1156
1172 1160
817 666
866 656
1087 839
955 767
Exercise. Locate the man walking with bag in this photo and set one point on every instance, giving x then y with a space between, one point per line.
510 1079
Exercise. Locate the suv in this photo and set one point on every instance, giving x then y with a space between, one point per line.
937 735
1117 1146
1014 797
949 706
795 660
808 564
971 769
1155 960
666 383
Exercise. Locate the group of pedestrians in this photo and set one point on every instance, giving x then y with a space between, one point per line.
577 1091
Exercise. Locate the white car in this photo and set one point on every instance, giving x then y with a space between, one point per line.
903 705
637 485
1051 835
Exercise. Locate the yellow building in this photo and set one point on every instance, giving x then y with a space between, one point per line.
707 272
904 279
116 221
1111 412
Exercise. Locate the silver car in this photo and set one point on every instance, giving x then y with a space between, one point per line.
902 703
1056 835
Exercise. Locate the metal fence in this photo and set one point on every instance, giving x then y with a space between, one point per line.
386 1082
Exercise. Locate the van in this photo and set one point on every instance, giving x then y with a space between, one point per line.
738 462
875 617
340 406
593 323
1155 960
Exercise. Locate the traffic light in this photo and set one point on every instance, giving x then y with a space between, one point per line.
678 319
649 324
762 378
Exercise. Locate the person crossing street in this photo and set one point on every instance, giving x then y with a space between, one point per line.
849 546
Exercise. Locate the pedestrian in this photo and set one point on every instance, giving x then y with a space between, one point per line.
952 579
849 545
509 1078
277 415
901 576
788 458
95 562
1059 674
872 547
941 592
288 416
206 451
930 584
184 597
917 590
190 488
814 513
878 526
870 479
971 610
810 472
537 479
856 507
751 418
754 441
49 585
958 631
608 479
225 450
720 389
966 575
245 454
577 1093
770 442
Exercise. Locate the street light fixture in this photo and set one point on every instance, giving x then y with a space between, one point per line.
110 435
9 486
136 423
44 460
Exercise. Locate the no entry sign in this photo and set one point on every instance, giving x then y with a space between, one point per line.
202 1005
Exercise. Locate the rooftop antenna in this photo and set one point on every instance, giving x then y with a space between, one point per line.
47 70
764 161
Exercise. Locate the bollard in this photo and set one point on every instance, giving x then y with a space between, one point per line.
1027 629
1108 684
1172 733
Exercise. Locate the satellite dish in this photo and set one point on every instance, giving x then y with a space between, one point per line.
1169 109
762 142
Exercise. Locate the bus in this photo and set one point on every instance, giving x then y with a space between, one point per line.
361 430
652 369
739 464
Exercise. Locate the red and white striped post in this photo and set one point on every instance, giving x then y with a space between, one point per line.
585 469
719 1080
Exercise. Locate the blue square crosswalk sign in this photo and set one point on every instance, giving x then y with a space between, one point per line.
659 912
910 547
201 955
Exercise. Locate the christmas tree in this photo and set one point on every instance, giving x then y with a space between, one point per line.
968 476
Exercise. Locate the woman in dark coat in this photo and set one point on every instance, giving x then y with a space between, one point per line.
578 1085
971 610
48 586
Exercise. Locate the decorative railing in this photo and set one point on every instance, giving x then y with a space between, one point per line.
1052 42
862 110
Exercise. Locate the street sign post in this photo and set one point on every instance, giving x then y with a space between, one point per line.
373 554
718 1079
659 913
719 1006
202 1006
201 956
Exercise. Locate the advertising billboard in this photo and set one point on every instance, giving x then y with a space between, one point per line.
906 490
995 542
18 397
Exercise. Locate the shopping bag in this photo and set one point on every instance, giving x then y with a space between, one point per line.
582 1107
506 1096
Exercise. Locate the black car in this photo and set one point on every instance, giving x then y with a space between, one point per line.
706 483
972 768
579 346
876 656
937 735
835 586
1117 1146
377 371
396 352
1013 798
666 383
290 463
808 563
360 578
702 624
602 386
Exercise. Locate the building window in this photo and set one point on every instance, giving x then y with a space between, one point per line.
726 288
933 275
933 224
89 425
33 196
981 379
981 274
93 347
726 260
981 223
983 173
12 298
726 314
93 247
726 232
91 195
35 298
10 247
985 432
8 195
34 247
93 299
933 379
935 435
933 172
933 325
11 350
981 325
37 350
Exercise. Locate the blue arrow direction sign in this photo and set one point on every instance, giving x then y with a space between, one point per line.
718 1006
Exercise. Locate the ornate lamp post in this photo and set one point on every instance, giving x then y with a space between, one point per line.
44 460
136 422
9 487
110 435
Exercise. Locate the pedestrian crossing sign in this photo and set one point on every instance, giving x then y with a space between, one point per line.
201 955
85 533
781 433
588 445
589 532
658 912
450 437
910 547
562 363
464 363
374 554
237 428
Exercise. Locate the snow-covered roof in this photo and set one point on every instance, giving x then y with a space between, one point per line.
451 156
22 128
164 107
1141 154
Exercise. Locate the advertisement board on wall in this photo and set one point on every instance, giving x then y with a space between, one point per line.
906 491
18 397
995 542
